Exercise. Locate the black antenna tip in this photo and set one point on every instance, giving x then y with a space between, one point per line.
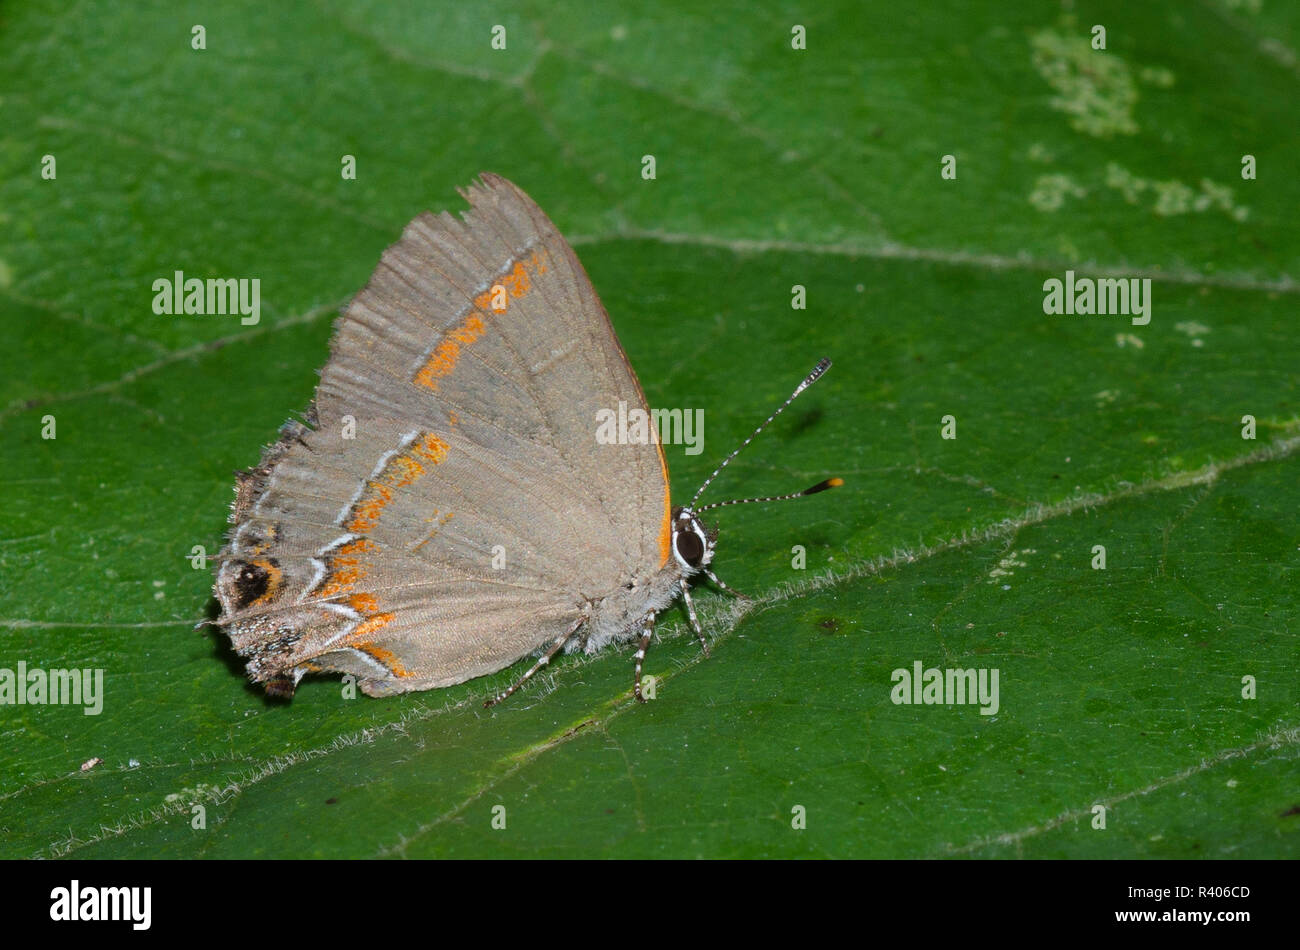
822 486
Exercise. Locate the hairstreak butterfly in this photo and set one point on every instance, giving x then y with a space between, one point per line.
443 509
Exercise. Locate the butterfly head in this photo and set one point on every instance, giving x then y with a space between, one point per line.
692 542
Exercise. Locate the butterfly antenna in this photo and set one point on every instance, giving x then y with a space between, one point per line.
820 486
822 366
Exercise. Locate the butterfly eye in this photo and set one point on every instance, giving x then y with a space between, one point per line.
689 547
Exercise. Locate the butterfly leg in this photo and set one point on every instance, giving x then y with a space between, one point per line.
559 643
642 645
730 590
695 621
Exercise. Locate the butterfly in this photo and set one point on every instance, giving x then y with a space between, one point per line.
443 509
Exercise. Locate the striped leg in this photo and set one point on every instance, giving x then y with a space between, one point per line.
730 590
560 641
695 621
642 645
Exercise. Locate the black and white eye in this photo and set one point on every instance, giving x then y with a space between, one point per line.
689 547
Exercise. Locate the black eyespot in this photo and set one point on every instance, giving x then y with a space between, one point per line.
251 583
689 547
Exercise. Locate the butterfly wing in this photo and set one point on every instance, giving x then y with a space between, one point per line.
446 510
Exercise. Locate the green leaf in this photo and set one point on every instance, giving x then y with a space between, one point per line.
1161 688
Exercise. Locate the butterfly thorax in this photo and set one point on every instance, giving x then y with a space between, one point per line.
623 614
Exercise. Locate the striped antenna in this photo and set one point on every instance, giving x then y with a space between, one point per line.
822 366
820 486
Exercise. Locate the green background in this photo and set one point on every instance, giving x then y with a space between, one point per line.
1120 687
